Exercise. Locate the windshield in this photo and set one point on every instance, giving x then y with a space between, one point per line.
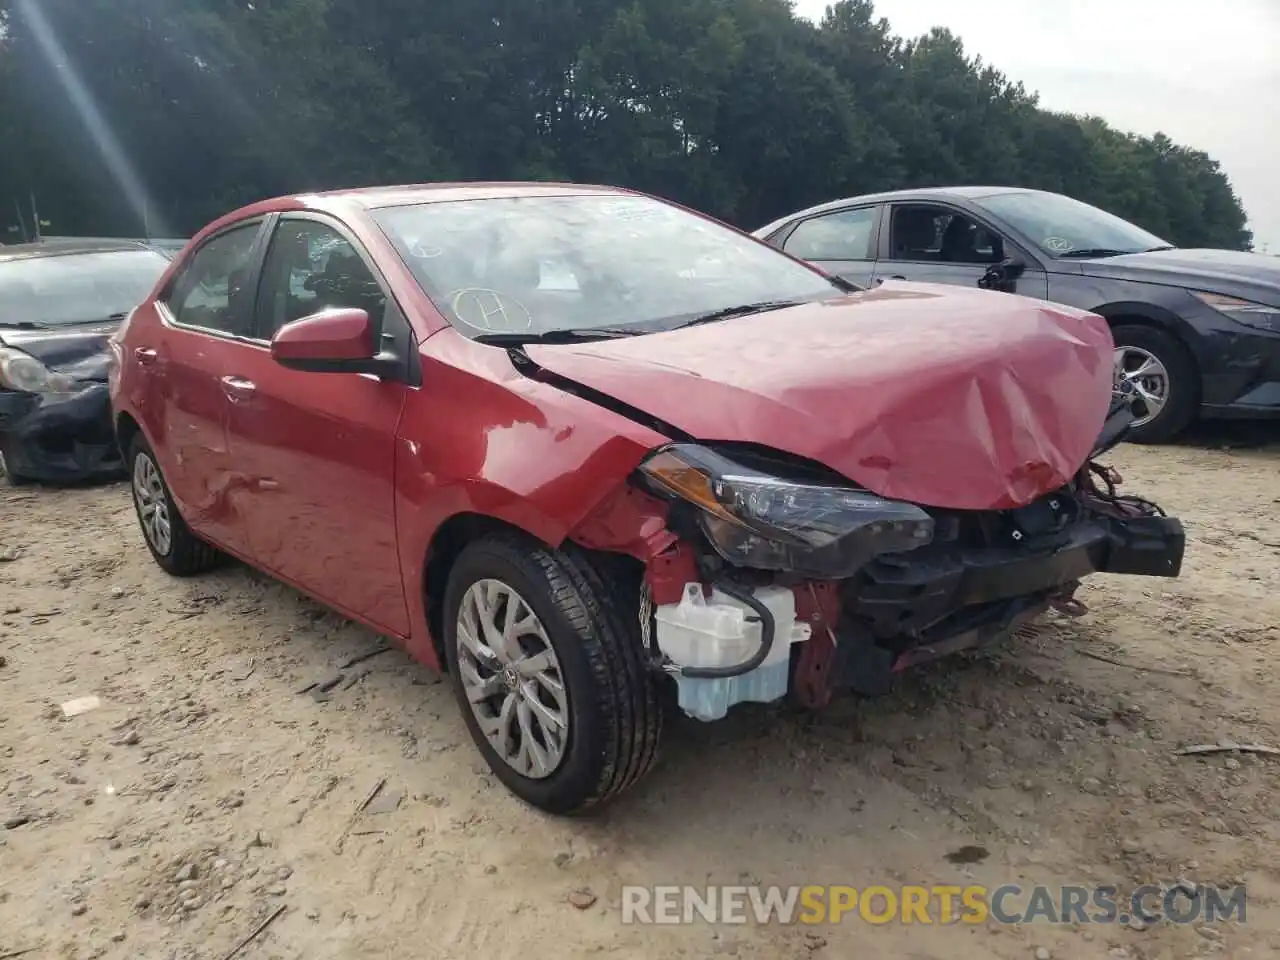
538 265
1061 226
76 287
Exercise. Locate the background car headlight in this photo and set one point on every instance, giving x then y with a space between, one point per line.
23 372
753 519
1251 314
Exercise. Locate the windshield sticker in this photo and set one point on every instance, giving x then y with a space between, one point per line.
1057 244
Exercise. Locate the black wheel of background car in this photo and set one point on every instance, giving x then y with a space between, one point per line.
175 548
546 661
7 476
1165 380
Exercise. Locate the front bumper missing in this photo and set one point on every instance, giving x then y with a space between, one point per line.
916 607
58 438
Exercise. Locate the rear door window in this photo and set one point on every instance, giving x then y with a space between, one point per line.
844 235
215 290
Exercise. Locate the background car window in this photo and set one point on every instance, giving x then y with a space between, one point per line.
311 267
215 289
837 236
1058 225
79 287
939 235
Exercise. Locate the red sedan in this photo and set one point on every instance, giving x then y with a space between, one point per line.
583 448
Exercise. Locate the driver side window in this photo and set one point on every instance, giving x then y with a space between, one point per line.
311 267
923 233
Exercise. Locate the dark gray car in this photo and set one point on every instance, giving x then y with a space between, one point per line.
1197 332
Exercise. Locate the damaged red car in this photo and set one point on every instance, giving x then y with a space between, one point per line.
584 449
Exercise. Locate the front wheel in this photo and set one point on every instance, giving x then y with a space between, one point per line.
545 658
174 547
1165 381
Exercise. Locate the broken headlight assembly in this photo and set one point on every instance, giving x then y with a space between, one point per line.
24 373
753 519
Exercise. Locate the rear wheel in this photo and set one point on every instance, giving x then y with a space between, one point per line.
174 547
1165 381
545 661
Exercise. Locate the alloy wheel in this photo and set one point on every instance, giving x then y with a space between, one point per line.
512 679
152 504
1146 373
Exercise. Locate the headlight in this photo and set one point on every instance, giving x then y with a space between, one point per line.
26 374
1242 311
756 520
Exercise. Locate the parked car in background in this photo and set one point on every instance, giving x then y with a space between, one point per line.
1197 332
577 444
59 302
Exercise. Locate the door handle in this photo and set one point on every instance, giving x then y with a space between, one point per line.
145 355
237 388
897 276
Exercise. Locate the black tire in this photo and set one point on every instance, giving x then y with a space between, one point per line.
615 717
1183 378
187 555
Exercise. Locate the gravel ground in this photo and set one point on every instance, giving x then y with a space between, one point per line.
205 792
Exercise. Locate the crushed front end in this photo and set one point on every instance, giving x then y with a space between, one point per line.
55 413
766 575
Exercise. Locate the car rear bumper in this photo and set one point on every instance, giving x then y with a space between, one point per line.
933 602
62 438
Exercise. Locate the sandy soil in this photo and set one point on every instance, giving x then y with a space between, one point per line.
206 792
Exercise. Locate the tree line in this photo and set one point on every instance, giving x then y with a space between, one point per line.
124 115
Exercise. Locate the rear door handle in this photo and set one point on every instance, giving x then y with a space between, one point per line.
237 388
145 355
897 276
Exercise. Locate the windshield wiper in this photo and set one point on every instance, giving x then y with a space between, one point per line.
1159 249
23 325
1093 252
555 336
741 310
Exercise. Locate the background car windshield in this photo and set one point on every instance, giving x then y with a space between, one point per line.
77 287
1059 225
538 264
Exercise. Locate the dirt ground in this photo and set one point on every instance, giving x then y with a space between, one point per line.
206 792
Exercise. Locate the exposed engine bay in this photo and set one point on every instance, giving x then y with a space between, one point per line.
766 575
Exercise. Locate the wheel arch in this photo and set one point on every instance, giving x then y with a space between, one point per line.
445 546
126 428
1140 314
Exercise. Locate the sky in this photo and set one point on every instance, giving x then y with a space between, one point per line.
1205 74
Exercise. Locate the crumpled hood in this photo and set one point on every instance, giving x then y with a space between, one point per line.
80 350
937 395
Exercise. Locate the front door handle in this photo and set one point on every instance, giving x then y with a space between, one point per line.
897 276
145 355
237 388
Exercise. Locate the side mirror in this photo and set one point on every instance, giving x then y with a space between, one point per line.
331 341
1003 276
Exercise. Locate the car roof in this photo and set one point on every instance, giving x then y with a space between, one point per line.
919 193
65 246
373 198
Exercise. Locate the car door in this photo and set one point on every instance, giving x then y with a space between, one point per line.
206 316
841 242
320 447
937 243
